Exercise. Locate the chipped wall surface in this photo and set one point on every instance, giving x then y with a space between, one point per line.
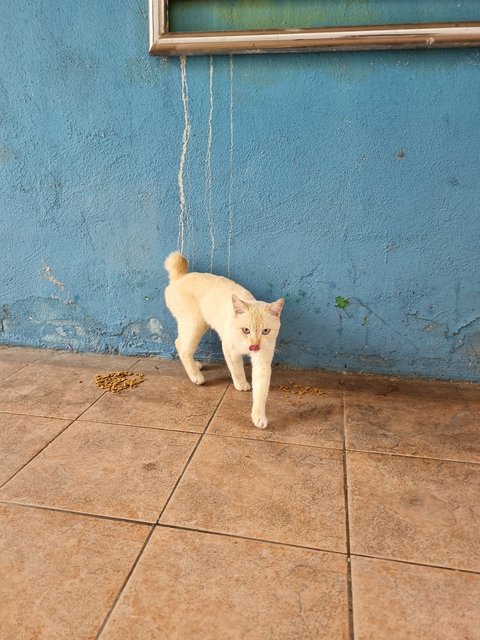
347 182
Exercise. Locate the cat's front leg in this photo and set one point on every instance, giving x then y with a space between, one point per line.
235 365
261 373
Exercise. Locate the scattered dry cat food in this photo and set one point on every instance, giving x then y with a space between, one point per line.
300 390
116 381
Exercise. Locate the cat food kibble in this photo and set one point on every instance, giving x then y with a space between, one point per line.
300 390
116 381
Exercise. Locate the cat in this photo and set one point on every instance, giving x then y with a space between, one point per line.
246 327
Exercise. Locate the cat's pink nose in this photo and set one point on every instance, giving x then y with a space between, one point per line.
254 347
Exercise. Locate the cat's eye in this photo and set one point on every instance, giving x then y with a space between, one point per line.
266 332
246 330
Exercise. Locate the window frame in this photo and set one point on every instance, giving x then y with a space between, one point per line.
343 38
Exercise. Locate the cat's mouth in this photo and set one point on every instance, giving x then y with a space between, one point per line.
254 347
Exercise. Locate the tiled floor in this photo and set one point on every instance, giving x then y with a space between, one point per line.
161 513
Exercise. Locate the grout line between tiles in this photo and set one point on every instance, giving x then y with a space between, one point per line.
86 514
83 514
53 440
223 534
125 582
47 417
37 415
409 455
138 426
37 453
416 564
347 527
217 409
100 631
214 413
272 441
261 441
27 364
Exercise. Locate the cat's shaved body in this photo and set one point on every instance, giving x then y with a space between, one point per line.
246 327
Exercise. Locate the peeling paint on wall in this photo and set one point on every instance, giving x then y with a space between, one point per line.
62 295
47 273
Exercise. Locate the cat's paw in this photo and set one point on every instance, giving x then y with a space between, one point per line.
259 420
199 364
197 378
242 386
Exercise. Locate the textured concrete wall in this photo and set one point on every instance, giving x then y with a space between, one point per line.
325 178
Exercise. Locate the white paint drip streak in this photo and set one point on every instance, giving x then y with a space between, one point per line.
208 170
230 186
185 139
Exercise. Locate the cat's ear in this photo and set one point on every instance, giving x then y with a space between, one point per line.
239 305
275 308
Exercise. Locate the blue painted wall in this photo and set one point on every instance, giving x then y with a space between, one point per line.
350 174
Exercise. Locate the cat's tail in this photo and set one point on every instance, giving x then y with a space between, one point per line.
177 265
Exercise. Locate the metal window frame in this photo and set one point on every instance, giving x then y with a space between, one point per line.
348 38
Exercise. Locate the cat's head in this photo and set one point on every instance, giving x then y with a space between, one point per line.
256 323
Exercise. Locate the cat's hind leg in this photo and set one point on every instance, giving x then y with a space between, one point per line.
190 332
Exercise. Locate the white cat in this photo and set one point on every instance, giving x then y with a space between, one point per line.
246 327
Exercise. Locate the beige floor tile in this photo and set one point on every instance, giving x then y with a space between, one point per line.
102 363
469 391
192 585
314 420
22 354
49 390
415 509
330 381
106 470
12 359
398 386
405 387
395 600
163 402
21 437
212 371
265 490
60 572
8 368
413 426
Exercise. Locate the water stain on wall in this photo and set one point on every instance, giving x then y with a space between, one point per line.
182 220
208 165
187 225
231 165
